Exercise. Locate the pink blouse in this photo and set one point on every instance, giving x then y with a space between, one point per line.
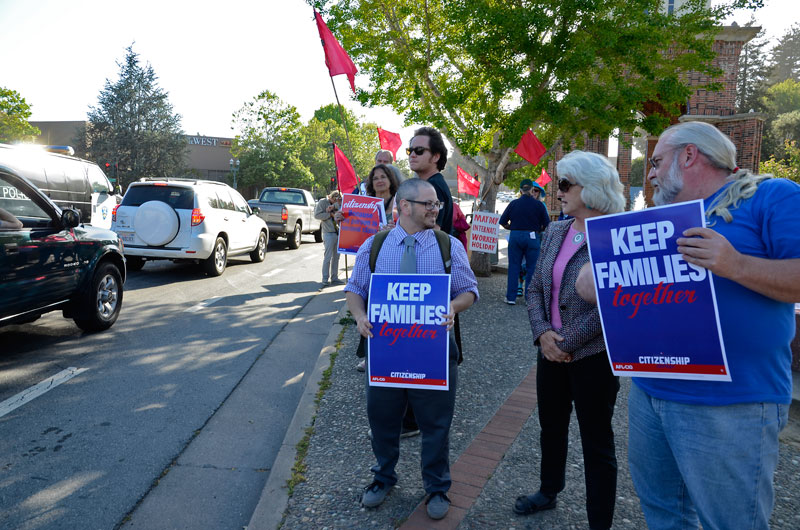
568 249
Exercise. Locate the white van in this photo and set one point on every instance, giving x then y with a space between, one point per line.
69 182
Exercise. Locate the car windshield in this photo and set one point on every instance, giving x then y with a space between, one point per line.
179 198
282 196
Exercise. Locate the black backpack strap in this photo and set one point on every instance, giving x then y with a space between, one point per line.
377 243
444 248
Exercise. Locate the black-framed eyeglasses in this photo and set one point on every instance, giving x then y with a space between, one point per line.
419 150
564 185
429 205
655 162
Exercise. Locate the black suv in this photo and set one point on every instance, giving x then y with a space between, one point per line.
54 262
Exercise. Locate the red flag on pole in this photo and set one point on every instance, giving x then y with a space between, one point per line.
467 184
346 178
530 148
389 141
544 179
336 58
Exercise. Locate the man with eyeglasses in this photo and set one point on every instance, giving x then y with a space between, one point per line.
427 157
706 451
418 207
526 218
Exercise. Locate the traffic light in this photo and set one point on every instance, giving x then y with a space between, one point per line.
333 181
108 167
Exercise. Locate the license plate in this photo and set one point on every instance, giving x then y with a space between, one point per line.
126 237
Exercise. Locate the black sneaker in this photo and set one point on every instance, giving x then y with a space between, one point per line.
438 505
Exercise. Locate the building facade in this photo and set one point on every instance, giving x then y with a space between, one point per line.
207 157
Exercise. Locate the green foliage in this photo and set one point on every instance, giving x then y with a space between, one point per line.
326 127
782 103
789 167
484 71
637 172
135 127
269 144
786 56
754 71
14 114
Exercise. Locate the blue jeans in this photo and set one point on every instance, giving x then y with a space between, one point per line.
520 245
709 463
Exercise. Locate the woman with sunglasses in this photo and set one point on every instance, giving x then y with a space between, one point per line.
572 366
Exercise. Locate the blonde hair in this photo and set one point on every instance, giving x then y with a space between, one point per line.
744 186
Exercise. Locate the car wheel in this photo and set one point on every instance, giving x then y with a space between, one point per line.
295 238
99 307
318 236
260 252
216 262
134 263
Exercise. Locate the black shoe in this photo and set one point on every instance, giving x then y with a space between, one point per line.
528 504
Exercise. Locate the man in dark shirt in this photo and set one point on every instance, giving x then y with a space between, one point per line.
526 217
427 156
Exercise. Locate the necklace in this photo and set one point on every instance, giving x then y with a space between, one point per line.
577 238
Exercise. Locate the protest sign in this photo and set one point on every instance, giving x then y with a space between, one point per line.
659 313
410 346
362 218
485 231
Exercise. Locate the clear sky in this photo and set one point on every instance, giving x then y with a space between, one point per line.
211 57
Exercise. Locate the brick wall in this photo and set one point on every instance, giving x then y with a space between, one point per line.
723 102
624 153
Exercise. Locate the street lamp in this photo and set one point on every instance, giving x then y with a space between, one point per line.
234 170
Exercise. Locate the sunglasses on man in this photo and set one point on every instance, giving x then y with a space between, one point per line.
417 150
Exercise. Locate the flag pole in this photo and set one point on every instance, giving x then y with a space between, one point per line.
344 121
339 187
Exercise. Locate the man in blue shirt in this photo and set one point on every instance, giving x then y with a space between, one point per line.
527 218
706 451
418 207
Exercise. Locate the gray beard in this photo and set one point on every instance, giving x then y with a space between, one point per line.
670 186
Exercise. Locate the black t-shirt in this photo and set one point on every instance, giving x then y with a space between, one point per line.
445 218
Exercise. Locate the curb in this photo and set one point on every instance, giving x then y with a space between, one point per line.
274 497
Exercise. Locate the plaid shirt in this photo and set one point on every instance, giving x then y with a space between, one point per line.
429 261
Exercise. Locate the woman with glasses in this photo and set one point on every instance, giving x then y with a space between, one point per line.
572 365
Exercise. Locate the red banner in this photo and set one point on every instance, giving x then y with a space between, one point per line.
336 58
530 148
345 174
389 141
466 183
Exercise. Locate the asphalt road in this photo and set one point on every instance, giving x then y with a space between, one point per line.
91 452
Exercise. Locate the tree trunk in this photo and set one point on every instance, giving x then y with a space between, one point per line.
480 263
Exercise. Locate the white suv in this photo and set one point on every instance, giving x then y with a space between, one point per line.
182 219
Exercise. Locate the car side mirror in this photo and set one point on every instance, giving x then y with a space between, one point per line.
70 218
256 209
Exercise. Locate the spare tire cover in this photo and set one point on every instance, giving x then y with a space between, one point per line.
156 223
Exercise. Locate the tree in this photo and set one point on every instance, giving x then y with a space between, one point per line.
786 56
134 127
637 172
788 168
782 103
269 144
325 127
754 72
14 114
484 71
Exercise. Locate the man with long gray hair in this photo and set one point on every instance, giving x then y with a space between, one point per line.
706 451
